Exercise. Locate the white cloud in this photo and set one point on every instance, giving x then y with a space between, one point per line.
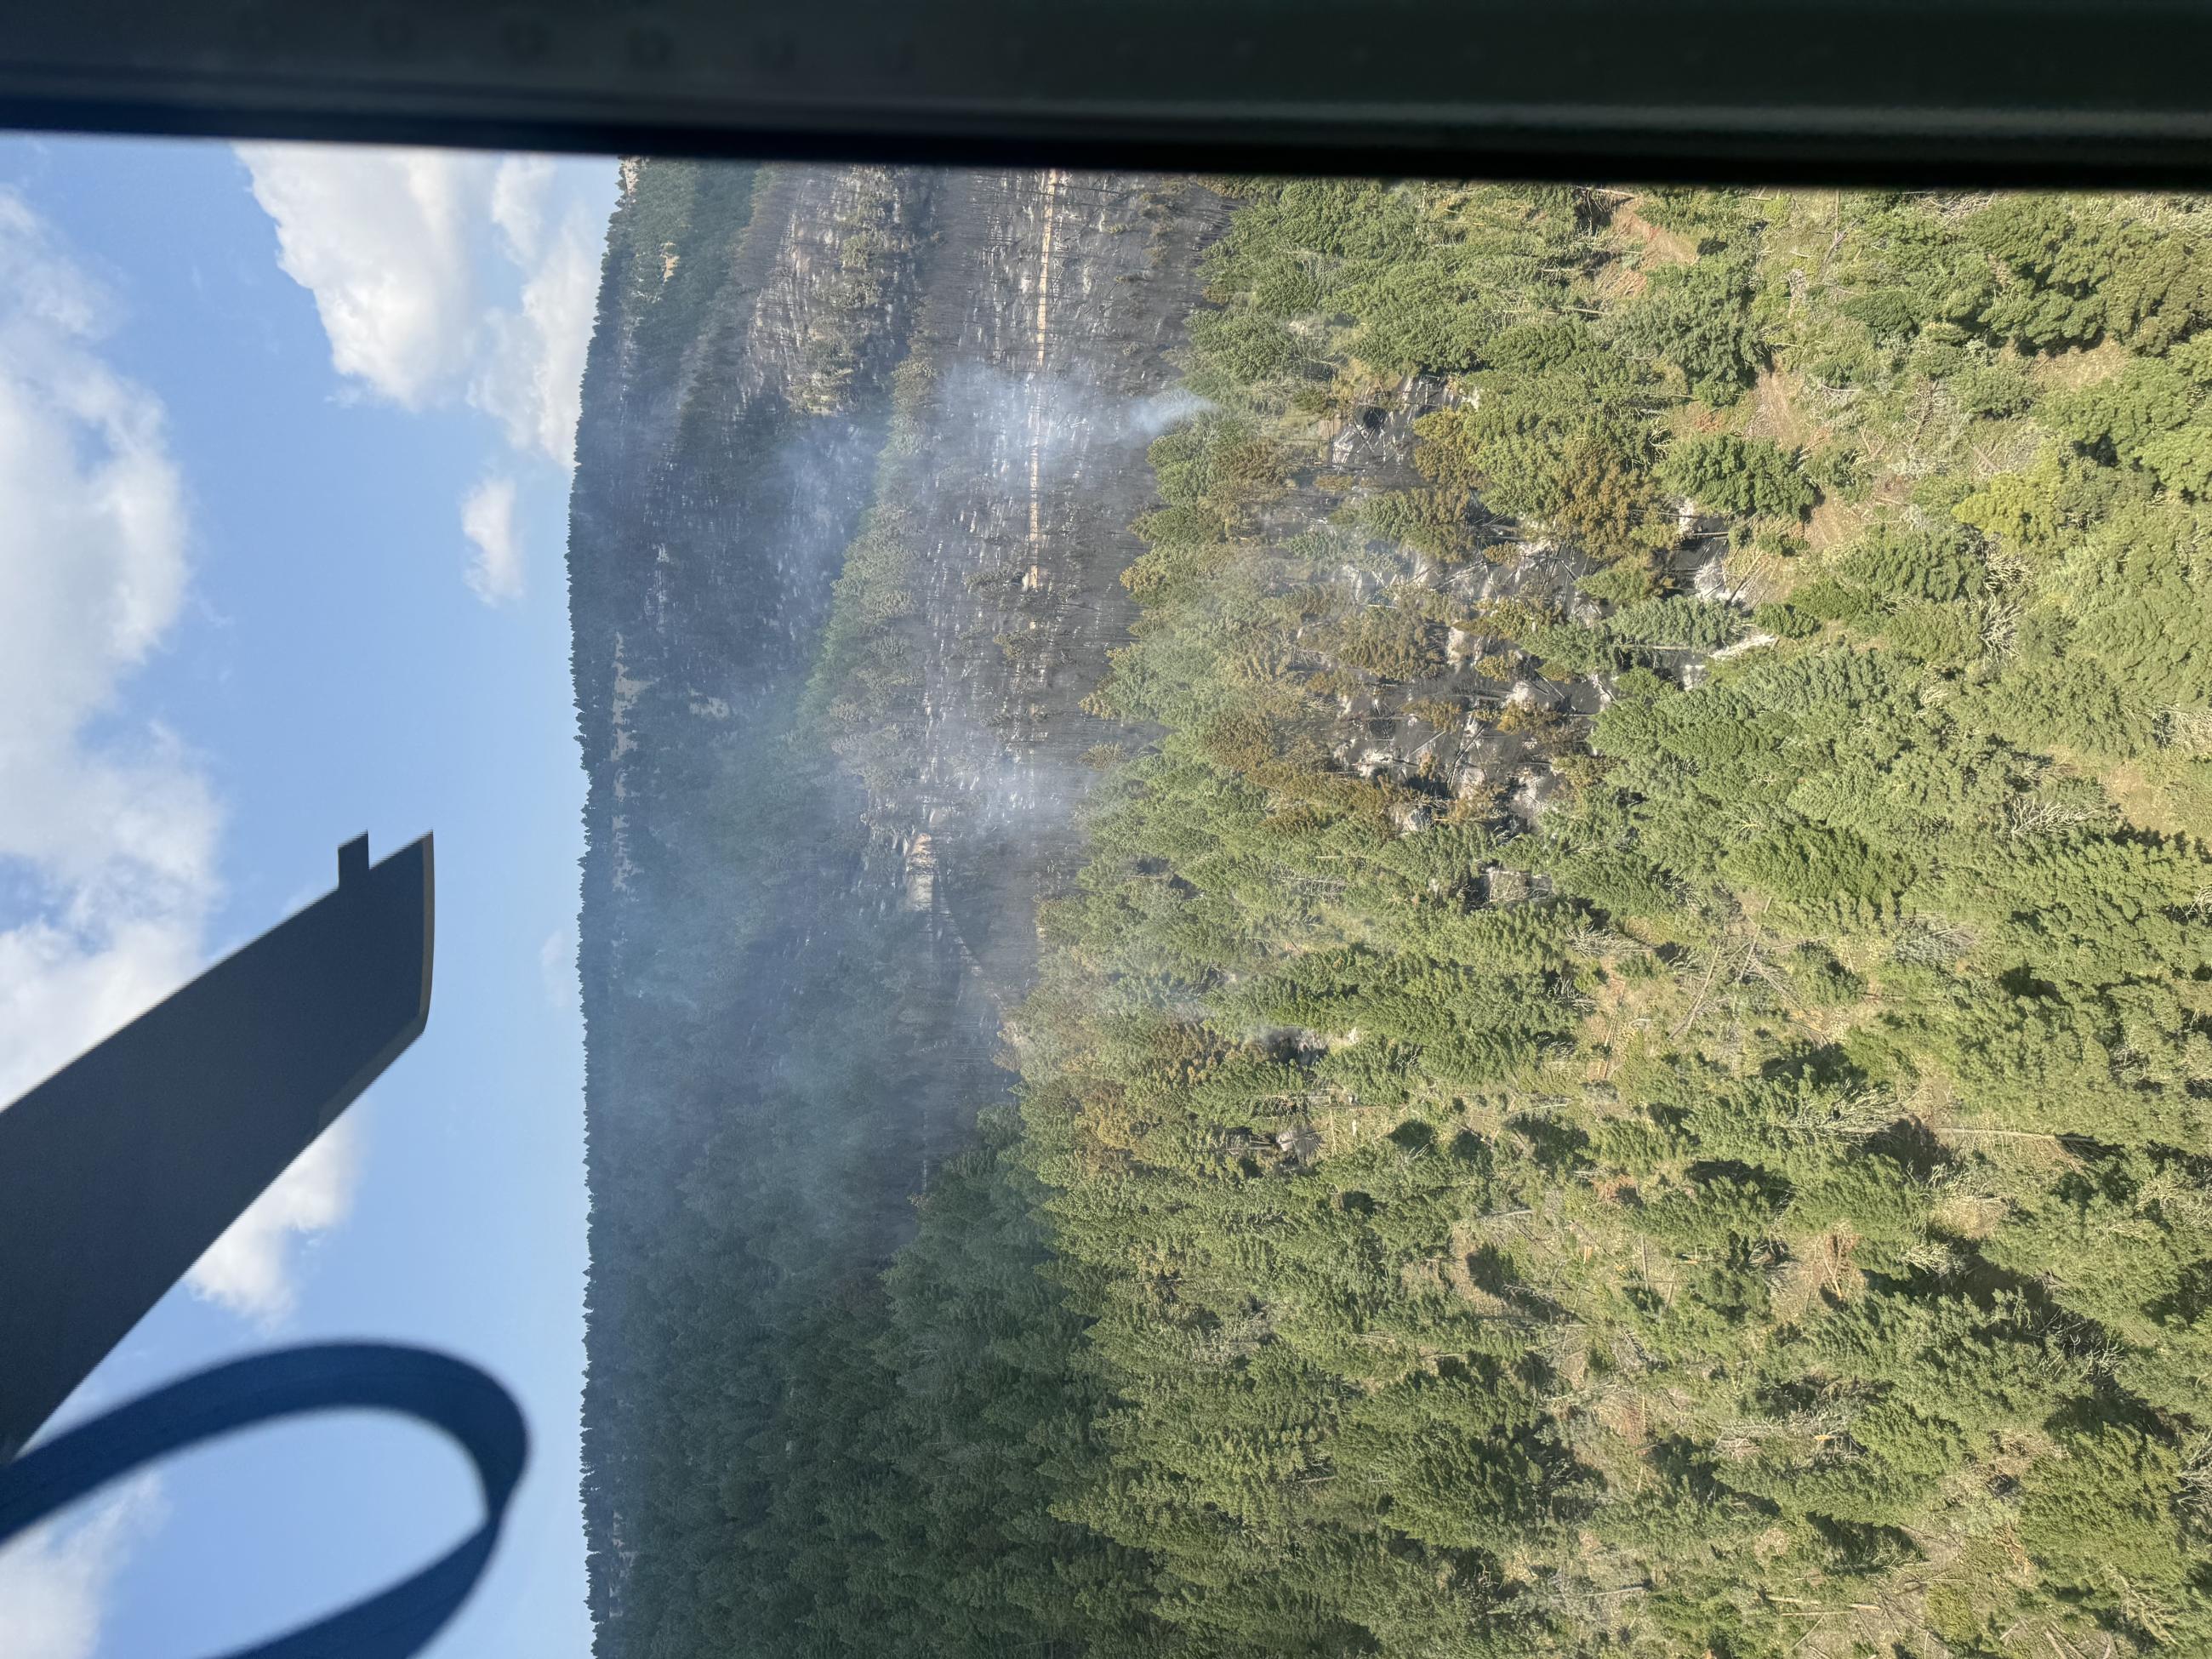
249 1270
110 842
494 572
408 252
402 250
380 237
557 966
532 375
520 185
54 1580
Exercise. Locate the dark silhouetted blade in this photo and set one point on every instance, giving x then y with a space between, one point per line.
118 1171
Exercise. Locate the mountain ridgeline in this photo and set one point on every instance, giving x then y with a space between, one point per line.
1330 918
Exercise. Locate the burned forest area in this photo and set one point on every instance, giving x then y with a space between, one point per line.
1333 918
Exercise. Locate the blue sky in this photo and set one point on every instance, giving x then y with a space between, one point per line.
284 438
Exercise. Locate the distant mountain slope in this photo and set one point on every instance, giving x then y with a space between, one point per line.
859 450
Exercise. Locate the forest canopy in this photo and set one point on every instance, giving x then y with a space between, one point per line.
1627 1069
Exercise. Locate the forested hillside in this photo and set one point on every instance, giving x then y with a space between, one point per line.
1625 1067
829 416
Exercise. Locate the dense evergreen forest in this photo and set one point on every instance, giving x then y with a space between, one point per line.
1622 1063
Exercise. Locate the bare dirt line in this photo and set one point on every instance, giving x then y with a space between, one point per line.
1664 246
1776 413
1832 524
